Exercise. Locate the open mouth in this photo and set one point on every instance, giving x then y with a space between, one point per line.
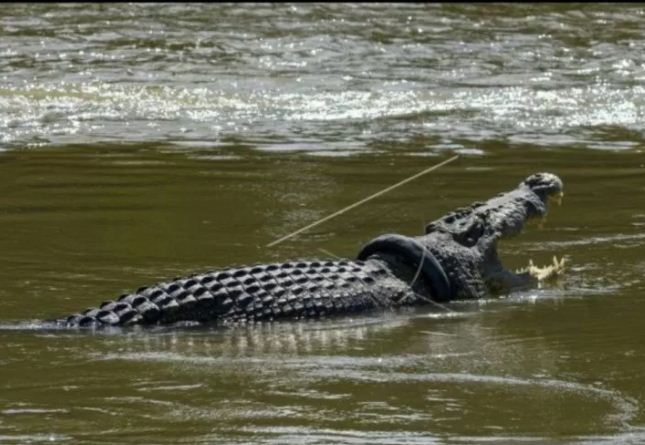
463 243
508 214
466 239
549 272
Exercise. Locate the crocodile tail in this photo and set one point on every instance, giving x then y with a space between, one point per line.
300 289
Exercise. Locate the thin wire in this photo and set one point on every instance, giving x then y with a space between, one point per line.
362 201
434 303
423 297
416 276
327 252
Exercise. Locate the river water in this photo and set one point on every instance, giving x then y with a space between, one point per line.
142 142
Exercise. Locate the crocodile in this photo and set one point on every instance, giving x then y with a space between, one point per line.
456 258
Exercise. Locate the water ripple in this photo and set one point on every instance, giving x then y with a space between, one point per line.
323 75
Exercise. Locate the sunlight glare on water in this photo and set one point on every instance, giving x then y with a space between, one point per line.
319 74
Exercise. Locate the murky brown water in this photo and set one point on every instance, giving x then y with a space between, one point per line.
143 142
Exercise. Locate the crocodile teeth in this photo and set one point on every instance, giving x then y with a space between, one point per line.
550 272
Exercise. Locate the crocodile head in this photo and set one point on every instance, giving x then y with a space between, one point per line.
465 241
